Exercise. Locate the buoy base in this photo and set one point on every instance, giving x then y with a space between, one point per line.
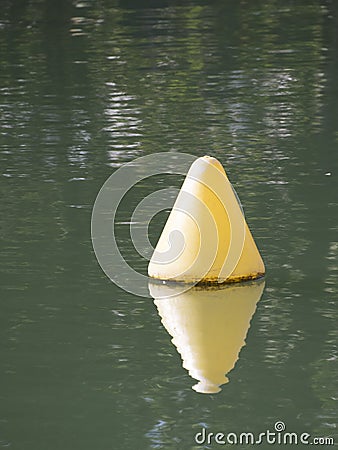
211 281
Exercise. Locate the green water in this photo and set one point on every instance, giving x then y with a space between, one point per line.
87 86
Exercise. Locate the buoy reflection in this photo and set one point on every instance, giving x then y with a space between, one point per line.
208 326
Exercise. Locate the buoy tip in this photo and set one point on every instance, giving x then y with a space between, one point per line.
210 160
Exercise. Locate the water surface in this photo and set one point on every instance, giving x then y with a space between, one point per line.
88 86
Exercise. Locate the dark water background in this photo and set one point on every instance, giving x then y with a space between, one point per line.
86 86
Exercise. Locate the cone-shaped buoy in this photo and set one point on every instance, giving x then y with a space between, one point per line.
206 238
208 327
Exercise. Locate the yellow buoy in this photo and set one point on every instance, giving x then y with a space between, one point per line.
206 238
208 327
